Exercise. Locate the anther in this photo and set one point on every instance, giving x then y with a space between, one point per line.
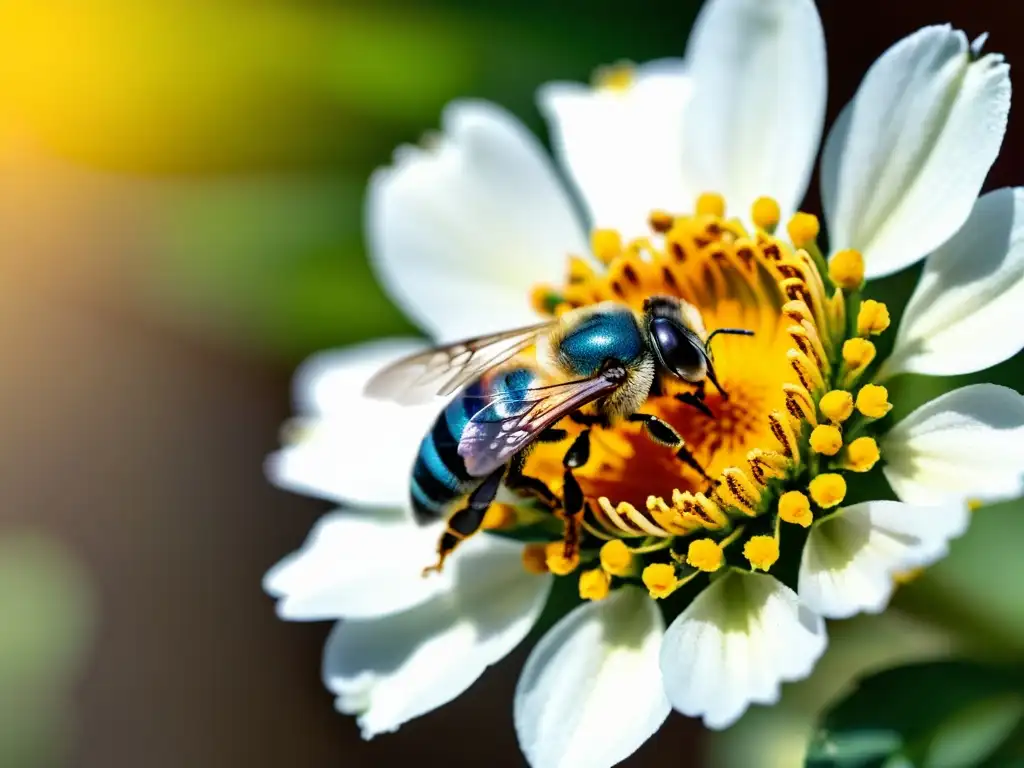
535 558
784 435
803 229
766 465
579 271
660 579
761 552
873 318
858 354
606 245
737 490
836 406
766 213
544 299
594 584
795 508
873 401
705 555
710 204
862 454
660 221
615 77
799 404
616 558
846 269
828 490
826 439
557 562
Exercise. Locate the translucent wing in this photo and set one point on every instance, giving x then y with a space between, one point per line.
511 422
443 370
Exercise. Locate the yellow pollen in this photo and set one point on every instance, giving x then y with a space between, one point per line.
544 299
616 77
766 213
873 318
606 245
846 269
579 270
862 454
616 558
711 204
795 508
594 584
828 490
858 353
535 558
705 555
660 221
975 504
739 491
873 401
837 405
826 439
905 577
803 229
761 551
556 560
499 516
660 579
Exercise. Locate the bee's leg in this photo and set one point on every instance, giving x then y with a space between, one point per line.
662 432
573 502
467 520
697 402
589 420
519 481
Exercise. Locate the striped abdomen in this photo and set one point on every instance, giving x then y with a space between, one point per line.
439 476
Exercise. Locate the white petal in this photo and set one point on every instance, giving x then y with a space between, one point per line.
393 669
590 693
351 448
623 149
759 86
460 231
965 314
850 558
359 565
907 157
966 444
733 646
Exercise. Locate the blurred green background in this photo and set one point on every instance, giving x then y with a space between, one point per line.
180 224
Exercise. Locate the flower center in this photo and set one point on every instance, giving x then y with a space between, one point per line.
770 445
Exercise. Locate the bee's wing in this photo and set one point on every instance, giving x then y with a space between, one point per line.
443 370
511 422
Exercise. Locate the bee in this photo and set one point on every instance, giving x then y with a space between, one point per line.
596 365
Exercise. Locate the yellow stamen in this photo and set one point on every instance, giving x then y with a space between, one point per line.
499 516
579 270
795 508
616 558
766 213
846 269
803 229
826 439
606 245
615 77
858 353
761 552
705 555
975 504
828 490
737 490
873 401
660 221
837 405
556 560
873 318
862 454
535 558
711 204
594 584
660 579
544 299
905 577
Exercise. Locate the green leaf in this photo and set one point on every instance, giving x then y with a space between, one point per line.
942 714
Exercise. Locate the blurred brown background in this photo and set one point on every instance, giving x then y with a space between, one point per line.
180 189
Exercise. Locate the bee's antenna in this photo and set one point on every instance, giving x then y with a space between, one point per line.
727 332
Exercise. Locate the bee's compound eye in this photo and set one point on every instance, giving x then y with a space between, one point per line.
678 350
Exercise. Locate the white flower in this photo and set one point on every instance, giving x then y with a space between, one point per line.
464 231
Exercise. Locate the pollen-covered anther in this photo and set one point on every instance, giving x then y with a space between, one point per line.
873 401
765 214
795 508
828 490
766 465
616 559
783 433
737 490
710 204
858 354
862 454
544 299
826 439
499 516
803 229
705 555
535 558
698 511
606 245
873 318
594 584
618 78
836 406
557 562
660 579
660 221
846 269
799 404
807 370
579 271
761 552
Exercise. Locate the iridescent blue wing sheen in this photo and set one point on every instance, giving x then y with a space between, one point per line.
446 369
513 420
